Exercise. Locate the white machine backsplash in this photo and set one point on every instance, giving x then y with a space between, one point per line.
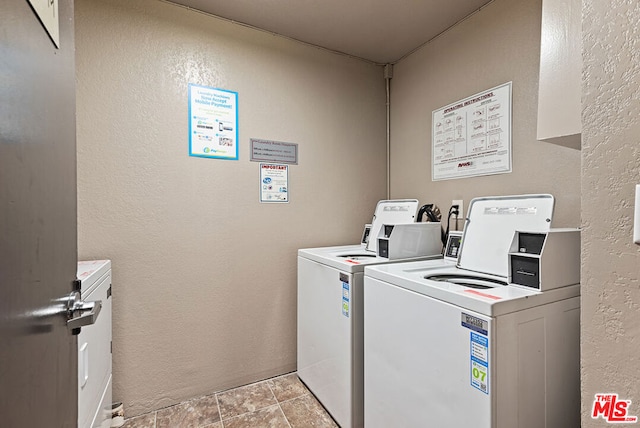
391 212
491 224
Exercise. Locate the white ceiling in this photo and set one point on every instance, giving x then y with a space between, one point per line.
382 31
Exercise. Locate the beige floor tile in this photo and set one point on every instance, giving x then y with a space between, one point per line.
269 417
245 399
191 414
287 387
251 406
306 412
147 420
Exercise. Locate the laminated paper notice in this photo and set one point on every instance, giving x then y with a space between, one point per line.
213 123
274 183
472 136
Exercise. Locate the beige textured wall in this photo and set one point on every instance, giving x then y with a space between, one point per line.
204 275
610 155
500 43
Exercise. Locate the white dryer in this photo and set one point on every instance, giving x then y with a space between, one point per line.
462 346
330 313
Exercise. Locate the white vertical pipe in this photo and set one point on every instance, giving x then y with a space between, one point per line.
388 74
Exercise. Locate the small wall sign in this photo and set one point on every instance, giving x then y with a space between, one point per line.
273 151
274 183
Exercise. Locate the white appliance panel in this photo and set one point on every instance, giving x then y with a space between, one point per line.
537 366
102 418
418 362
94 347
327 344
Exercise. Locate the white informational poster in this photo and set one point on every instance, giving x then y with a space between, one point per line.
213 122
472 136
274 182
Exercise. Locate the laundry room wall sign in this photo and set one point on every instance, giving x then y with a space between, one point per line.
472 137
274 183
213 122
273 151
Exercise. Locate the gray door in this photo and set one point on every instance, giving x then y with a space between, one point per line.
38 250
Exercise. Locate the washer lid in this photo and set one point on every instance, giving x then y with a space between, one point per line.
397 211
490 225
349 258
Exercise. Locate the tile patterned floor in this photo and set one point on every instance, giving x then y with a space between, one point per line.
281 402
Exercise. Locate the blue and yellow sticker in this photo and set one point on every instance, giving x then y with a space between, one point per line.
345 299
480 362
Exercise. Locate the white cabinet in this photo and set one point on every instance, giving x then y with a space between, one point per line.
559 107
94 348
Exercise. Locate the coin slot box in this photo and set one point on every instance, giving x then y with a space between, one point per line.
545 260
525 271
531 243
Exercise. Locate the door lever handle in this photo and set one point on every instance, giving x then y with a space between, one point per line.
81 313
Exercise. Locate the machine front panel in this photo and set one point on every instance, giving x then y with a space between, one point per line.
427 363
325 335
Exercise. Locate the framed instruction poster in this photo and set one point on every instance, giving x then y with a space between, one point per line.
472 137
213 122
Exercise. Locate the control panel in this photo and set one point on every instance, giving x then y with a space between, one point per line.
545 260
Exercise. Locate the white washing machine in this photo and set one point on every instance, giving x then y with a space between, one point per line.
330 337
463 346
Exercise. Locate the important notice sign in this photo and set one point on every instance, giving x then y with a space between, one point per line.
472 136
273 151
274 183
